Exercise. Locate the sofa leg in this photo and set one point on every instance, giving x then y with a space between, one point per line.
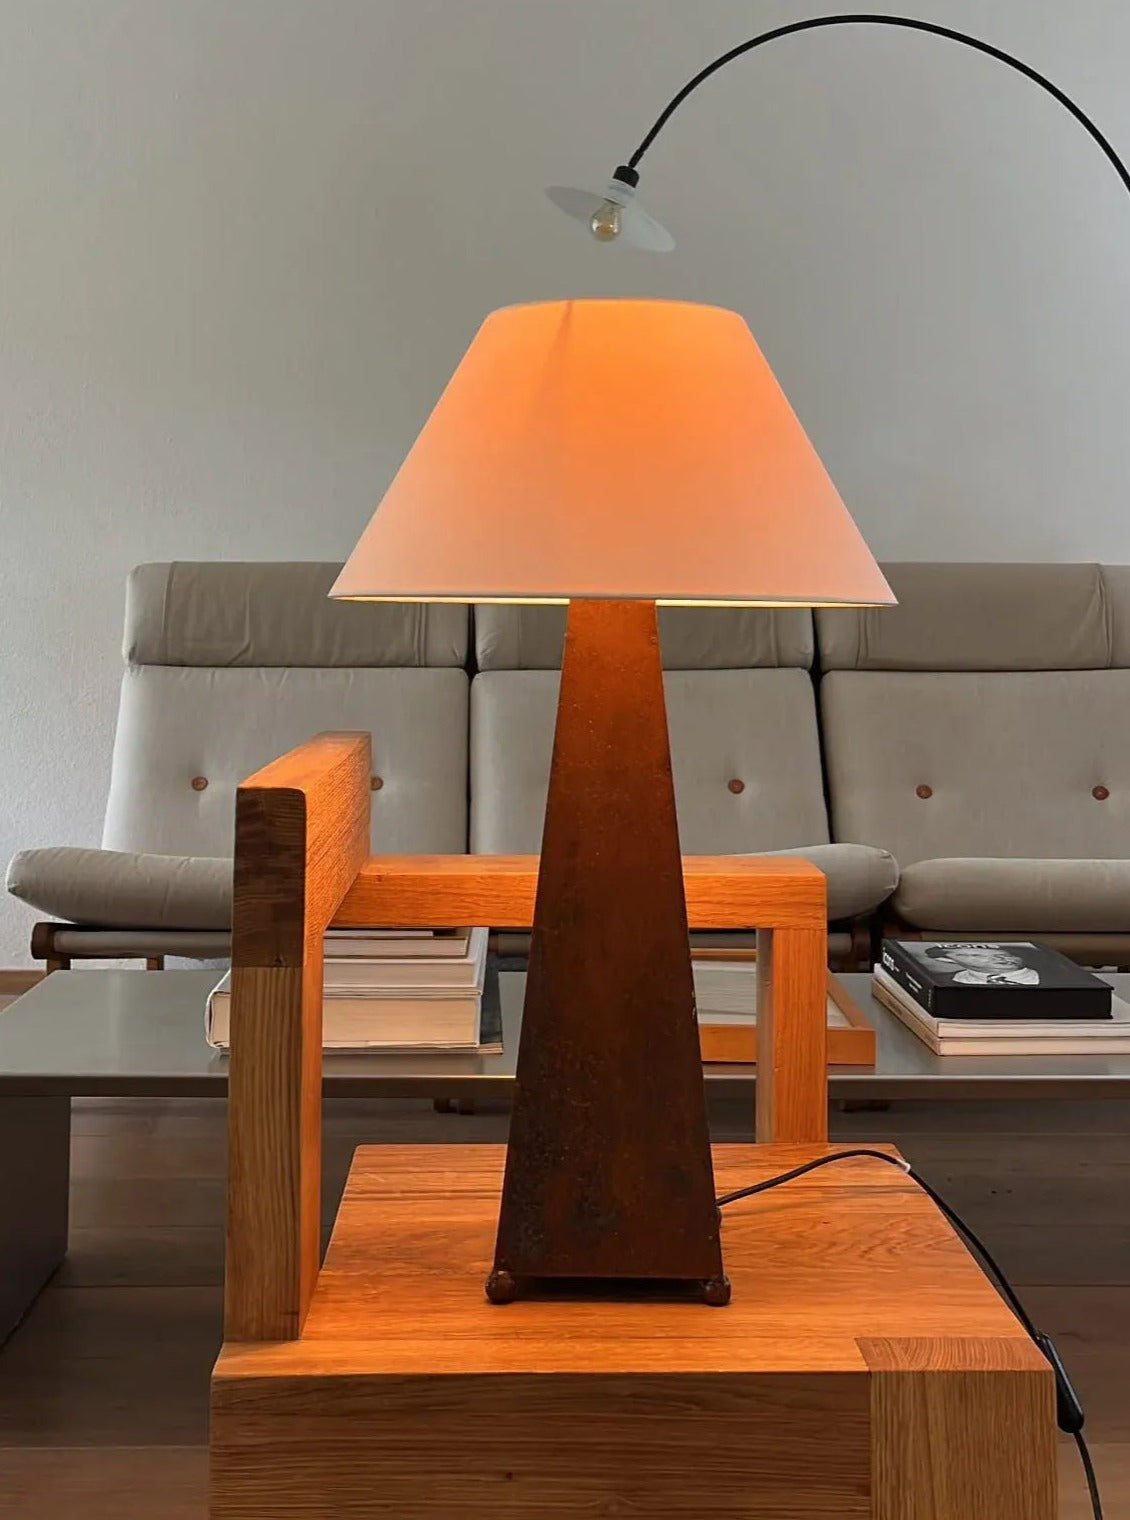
43 948
859 957
454 1105
154 963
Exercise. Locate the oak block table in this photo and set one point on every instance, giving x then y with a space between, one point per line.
865 1368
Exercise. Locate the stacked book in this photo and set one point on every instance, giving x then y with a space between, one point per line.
1006 998
396 990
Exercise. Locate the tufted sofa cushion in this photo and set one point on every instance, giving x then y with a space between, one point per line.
232 664
981 732
1024 765
746 761
187 737
228 666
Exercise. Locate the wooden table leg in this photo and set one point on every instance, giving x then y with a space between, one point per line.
792 1036
35 1143
960 1430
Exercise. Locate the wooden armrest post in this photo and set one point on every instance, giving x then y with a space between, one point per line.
301 833
792 1035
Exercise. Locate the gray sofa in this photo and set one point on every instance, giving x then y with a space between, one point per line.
980 731
228 665
976 734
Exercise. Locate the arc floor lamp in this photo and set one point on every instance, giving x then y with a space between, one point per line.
614 214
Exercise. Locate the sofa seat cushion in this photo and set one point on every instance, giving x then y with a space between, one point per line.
1025 896
116 889
859 877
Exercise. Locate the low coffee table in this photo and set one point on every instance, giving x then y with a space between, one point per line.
141 1034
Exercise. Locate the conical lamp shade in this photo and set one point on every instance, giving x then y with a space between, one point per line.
613 449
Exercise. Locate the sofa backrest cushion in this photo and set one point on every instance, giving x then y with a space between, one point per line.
230 665
986 617
279 614
987 715
187 737
754 729
692 638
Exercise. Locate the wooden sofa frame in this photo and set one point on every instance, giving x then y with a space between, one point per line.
302 864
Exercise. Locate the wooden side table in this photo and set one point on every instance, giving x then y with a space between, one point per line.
864 1368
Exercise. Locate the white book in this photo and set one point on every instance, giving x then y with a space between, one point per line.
397 944
725 992
1012 1037
408 975
724 988
450 1022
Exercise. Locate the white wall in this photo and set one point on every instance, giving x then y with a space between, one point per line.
243 242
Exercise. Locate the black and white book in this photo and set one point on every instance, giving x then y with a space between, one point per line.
1007 1037
994 980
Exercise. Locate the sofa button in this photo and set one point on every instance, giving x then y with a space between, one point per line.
924 791
375 783
736 786
1099 793
199 783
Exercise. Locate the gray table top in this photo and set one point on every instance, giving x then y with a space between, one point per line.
141 1033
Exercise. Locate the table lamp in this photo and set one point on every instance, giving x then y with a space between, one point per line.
615 456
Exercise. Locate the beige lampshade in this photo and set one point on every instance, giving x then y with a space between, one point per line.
613 449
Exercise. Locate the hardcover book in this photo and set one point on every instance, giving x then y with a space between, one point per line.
994 980
1007 1037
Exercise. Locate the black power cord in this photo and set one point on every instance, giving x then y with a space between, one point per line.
1068 1409
906 23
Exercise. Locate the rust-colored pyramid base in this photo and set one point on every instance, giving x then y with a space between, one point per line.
608 1174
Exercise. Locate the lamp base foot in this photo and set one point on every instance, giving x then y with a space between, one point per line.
716 1292
501 1288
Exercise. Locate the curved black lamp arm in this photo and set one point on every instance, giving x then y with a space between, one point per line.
909 24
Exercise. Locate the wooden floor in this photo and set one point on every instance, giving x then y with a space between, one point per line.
103 1390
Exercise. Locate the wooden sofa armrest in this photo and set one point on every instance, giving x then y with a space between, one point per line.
301 833
302 863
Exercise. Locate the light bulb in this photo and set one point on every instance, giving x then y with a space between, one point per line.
605 222
614 216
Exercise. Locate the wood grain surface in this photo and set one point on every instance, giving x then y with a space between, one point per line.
475 1446
961 1429
669 1408
302 829
844 1252
723 892
792 1068
301 833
